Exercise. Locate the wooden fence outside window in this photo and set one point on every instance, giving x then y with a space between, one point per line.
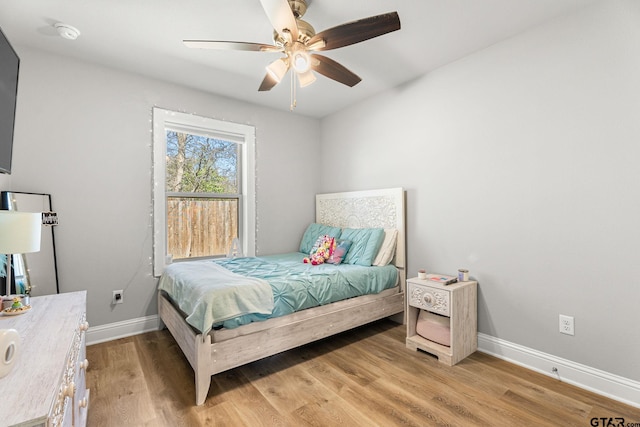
201 227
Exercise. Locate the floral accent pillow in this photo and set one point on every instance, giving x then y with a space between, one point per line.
342 247
321 251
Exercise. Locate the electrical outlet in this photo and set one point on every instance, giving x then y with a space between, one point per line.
118 297
566 325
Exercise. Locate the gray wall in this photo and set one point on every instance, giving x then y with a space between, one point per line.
83 134
521 164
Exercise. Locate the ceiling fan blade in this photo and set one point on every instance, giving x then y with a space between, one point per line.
281 17
356 31
267 83
330 68
223 45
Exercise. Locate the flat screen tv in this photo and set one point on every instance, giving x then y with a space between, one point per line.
9 67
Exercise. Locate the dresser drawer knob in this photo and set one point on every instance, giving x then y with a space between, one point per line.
84 326
83 402
69 390
84 364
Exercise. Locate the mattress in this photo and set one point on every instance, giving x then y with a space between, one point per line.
294 285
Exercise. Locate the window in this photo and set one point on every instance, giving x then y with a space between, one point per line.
204 187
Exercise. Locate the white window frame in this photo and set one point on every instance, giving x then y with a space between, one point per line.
204 126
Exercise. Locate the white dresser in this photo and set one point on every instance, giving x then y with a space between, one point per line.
47 386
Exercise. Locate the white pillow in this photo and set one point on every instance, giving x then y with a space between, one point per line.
388 247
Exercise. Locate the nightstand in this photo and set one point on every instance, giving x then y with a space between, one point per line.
457 305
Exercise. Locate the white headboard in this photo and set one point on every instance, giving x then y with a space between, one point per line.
367 209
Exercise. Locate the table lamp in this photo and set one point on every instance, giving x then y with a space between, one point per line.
19 233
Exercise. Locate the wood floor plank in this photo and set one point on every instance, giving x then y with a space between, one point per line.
286 390
388 362
225 414
253 408
333 412
288 383
531 391
363 377
448 393
387 383
123 391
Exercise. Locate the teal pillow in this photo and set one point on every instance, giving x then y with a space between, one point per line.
365 244
314 231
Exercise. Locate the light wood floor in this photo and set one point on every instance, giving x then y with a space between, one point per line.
364 377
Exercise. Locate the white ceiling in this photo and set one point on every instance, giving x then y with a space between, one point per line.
145 37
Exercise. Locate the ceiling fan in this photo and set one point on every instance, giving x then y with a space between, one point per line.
298 41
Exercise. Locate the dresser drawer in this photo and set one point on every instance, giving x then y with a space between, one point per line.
429 298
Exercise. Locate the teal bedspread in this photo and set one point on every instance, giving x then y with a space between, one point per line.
294 286
210 294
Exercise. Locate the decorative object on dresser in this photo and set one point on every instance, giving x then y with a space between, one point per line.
442 319
19 234
47 386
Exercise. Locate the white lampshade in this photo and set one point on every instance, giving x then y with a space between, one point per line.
277 69
20 232
306 79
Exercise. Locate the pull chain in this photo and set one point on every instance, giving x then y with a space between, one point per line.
292 97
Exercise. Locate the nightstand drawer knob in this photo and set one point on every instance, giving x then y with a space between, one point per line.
84 364
428 298
83 402
84 326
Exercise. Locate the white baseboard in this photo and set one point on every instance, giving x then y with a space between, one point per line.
126 328
597 381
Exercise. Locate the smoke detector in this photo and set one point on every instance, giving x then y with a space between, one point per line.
67 31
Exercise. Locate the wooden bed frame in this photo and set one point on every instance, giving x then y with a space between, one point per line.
225 349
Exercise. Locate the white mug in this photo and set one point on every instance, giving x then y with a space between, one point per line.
9 350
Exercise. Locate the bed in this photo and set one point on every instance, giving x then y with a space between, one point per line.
220 346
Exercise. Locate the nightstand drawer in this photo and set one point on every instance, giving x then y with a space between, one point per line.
429 298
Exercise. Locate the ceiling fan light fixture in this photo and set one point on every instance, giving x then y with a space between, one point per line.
306 78
301 61
277 69
297 40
